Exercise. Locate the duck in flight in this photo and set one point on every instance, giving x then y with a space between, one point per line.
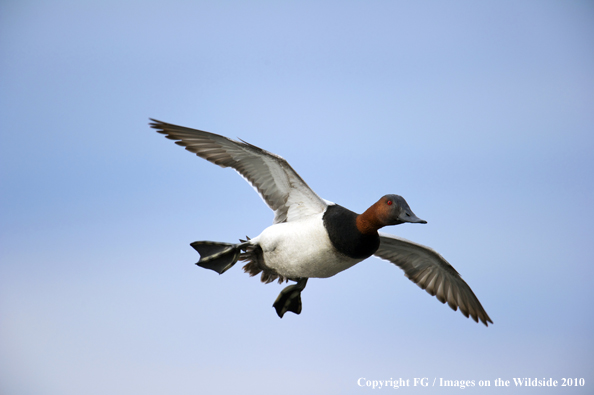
313 237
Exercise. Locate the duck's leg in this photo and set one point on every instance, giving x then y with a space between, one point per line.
290 298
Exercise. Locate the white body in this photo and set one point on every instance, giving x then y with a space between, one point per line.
302 248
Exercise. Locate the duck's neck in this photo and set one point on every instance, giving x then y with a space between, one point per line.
368 222
343 230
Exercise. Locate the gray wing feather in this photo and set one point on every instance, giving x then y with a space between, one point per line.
430 271
283 190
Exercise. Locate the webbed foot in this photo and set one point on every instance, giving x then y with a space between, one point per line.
219 257
289 298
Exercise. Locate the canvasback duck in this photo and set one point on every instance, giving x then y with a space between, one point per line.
312 237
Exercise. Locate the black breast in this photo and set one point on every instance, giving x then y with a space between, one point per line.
345 237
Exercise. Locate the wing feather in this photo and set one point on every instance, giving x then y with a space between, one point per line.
281 188
430 271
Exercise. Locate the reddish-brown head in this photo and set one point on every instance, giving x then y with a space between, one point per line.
389 210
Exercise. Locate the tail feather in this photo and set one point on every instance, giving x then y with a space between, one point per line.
255 264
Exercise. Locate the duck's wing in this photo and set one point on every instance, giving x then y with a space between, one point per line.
283 190
430 271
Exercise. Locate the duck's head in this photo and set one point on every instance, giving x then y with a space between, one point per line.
389 210
393 210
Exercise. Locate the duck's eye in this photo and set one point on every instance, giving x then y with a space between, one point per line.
389 202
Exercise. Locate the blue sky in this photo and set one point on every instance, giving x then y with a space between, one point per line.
479 113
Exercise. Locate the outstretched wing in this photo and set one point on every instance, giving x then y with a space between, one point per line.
283 190
433 273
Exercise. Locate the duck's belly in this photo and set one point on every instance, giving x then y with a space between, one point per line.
302 249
